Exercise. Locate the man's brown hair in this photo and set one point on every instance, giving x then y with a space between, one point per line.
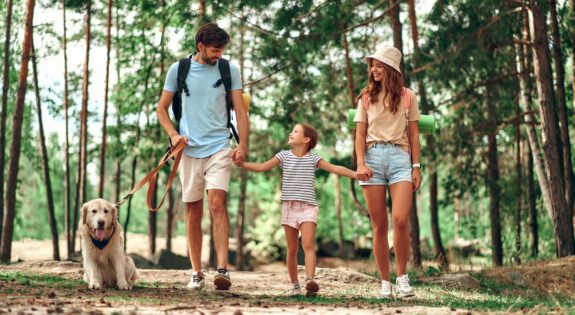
212 35
311 133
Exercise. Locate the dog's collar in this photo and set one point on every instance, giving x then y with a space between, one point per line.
101 244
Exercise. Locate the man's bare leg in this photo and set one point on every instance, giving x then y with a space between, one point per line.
194 237
217 201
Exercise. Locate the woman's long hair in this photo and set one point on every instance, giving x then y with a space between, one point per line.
391 85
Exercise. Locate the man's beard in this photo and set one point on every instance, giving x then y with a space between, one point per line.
209 60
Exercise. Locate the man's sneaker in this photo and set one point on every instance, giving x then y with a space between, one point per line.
295 290
402 287
222 279
385 292
196 281
311 287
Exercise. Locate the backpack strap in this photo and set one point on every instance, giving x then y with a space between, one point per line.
225 73
406 100
183 69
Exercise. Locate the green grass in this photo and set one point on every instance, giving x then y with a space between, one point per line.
37 280
434 296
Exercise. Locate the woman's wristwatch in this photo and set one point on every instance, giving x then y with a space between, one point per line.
416 165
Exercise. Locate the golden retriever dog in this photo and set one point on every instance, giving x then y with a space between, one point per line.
105 263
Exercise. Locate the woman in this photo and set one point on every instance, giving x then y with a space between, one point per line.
387 144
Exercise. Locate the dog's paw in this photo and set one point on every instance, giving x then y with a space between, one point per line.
124 286
95 286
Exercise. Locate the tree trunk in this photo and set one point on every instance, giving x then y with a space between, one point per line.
414 234
413 220
455 217
351 93
153 222
572 36
129 210
69 246
535 160
348 72
524 70
105 115
561 215
240 221
45 164
135 160
533 227
82 160
396 27
202 12
153 215
340 239
5 84
241 213
85 85
170 218
562 105
439 251
12 181
118 176
493 183
518 191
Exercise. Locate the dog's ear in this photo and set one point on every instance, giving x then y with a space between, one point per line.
84 211
115 218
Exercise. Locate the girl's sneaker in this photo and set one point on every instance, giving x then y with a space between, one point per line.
402 287
385 292
311 287
295 290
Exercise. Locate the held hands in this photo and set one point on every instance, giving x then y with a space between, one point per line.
363 172
239 155
416 178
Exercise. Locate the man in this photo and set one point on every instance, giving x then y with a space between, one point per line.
206 162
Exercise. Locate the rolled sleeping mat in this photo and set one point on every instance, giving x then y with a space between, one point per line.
247 101
426 122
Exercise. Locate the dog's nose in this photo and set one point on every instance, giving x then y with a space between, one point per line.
101 223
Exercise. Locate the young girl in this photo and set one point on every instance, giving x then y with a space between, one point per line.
299 205
387 142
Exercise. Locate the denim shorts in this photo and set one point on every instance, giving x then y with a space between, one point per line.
389 163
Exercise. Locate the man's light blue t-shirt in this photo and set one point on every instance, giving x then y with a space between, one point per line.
204 114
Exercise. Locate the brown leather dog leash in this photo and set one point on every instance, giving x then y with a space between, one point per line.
174 152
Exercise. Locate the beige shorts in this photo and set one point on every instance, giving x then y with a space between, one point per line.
199 174
295 212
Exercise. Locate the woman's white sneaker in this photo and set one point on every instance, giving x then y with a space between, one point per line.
295 290
385 292
402 287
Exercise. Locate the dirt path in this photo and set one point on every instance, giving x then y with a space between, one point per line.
56 287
